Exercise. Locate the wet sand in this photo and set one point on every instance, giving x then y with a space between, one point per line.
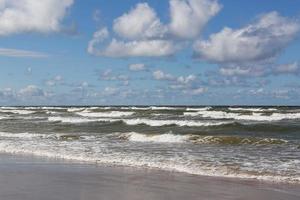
28 178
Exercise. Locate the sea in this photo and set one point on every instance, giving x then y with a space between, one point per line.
243 142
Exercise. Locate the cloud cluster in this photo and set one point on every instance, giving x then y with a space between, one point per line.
30 94
258 42
139 23
188 17
142 34
186 84
44 16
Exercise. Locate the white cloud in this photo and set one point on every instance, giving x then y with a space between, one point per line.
54 81
137 67
144 48
31 91
109 91
44 16
234 71
108 75
260 41
140 33
188 17
98 37
196 91
7 94
186 80
116 48
291 68
139 23
21 53
160 75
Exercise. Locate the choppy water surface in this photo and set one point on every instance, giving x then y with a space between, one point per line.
245 142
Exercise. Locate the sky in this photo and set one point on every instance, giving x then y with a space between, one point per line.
155 52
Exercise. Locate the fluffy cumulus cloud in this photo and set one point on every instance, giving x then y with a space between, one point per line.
139 23
260 41
143 48
188 17
98 37
140 33
32 16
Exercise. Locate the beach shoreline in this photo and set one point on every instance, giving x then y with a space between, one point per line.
27 177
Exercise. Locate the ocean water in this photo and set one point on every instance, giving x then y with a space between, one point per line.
243 142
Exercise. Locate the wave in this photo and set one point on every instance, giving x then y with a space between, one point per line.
56 136
104 114
238 116
152 122
163 138
20 112
197 139
253 109
95 150
76 120
163 108
137 121
198 109
70 147
75 109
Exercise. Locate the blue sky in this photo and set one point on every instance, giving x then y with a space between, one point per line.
76 52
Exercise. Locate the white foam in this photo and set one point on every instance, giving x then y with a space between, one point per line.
198 109
26 135
75 120
152 122
20 135
137 121
75 109
20 112
104 114
99 150
162 138
239 116
253 109
76 151
163 108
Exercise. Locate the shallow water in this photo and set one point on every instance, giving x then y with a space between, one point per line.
245 142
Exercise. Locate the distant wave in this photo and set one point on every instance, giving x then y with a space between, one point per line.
253 109
75 120
104 114
152 122
238 116
20 112
137 121
198 109
163 108
56 136
75 109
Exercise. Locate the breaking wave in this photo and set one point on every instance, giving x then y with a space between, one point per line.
238 116
197 139
104 114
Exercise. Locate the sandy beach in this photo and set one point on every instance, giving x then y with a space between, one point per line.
29 178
